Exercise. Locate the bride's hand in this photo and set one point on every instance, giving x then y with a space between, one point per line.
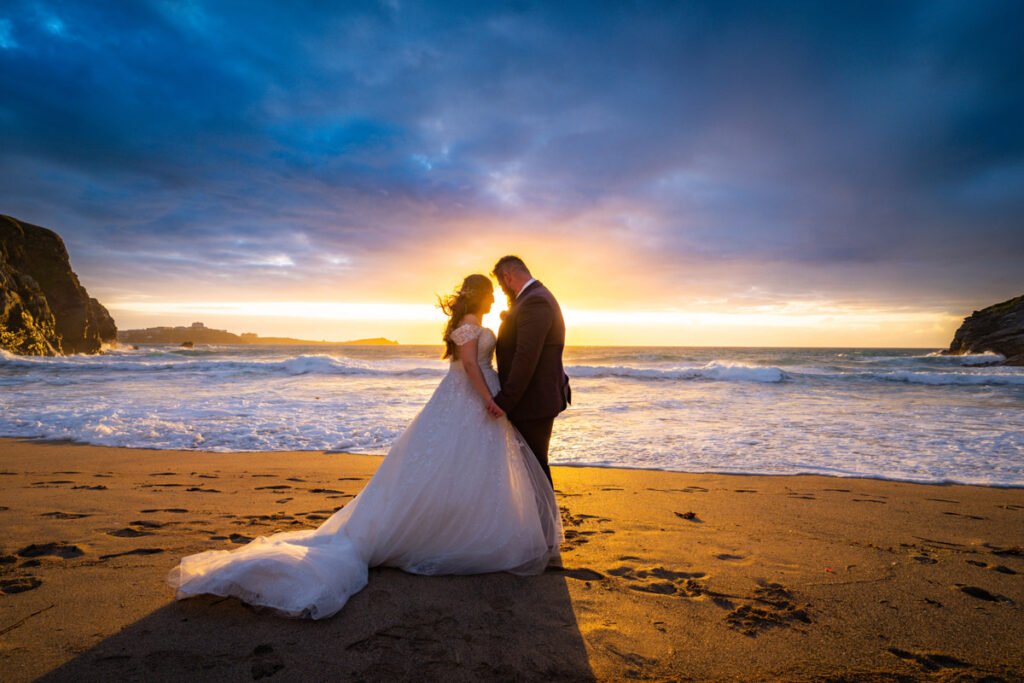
494 410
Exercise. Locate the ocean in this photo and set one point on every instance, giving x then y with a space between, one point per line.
902 414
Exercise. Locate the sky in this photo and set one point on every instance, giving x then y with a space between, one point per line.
679 173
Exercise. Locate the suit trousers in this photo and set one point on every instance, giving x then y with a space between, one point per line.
537 434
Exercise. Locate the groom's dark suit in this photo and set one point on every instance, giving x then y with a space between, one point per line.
534 387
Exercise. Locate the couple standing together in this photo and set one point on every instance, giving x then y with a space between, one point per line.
465 489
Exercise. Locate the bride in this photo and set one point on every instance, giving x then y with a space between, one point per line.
458 493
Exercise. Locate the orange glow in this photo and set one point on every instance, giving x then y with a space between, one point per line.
422 323
611 295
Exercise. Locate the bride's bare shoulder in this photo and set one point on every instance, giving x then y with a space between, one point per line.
469 319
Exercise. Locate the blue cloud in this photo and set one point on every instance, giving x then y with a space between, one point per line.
802 134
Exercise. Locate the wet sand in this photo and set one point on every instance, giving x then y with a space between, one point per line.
665 576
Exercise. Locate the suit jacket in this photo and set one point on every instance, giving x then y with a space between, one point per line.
529 352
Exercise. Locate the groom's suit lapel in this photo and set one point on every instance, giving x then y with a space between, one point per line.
522 295
509 319
508 324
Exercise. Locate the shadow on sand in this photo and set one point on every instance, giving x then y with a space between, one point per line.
401 627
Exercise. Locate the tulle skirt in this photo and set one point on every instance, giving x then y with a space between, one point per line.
458 493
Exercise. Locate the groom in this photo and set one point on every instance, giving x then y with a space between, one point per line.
534 387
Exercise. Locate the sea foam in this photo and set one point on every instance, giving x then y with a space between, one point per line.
889 413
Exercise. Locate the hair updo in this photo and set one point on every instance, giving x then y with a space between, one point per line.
466 299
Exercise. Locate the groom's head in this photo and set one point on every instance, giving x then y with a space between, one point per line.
511 273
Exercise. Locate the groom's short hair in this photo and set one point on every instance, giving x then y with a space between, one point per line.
510 263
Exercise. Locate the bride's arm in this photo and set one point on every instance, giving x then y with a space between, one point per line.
467 356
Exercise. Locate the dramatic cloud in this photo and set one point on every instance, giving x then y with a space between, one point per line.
727 153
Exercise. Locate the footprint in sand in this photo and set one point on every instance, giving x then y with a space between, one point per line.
727 556
982 594
771 606
275 487
137 551
574 536
128 532
1002 569
148 524
98 487
929 661
688 489
57 549
264 662
163 474
151 510
957 514
582 574
202 490
666 581
1010 551
19 584
66 515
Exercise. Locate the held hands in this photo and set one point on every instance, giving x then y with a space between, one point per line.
494 410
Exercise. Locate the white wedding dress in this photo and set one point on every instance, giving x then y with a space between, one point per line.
458 493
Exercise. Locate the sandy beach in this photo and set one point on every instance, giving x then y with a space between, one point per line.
667 576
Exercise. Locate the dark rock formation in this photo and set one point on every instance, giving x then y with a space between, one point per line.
998 328
44 310
197 333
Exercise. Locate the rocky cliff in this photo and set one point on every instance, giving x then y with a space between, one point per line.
998 328
44 310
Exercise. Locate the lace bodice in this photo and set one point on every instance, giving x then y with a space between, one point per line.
485 341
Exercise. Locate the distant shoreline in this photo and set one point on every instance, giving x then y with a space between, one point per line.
198 333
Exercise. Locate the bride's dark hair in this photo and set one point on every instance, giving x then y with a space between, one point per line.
465 299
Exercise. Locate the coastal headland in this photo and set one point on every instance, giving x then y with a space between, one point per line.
665 576
198 333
